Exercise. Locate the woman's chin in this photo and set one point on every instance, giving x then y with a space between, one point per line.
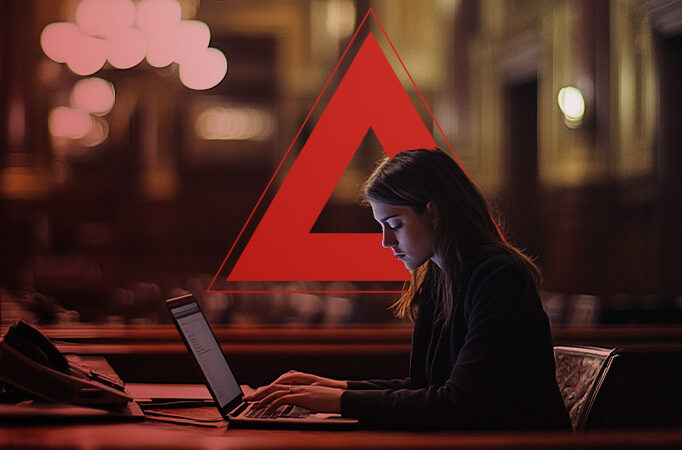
409 266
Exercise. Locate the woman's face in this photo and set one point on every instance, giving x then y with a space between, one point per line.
409 235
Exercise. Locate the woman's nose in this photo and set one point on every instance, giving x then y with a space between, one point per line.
388 240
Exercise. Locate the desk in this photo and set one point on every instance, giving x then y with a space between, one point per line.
154 435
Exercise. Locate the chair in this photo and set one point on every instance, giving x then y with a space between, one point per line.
580 374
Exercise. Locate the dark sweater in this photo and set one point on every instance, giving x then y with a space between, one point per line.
491 368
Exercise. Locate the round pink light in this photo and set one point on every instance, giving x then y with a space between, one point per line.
93 95
192 37
203 70
69 122
99 131
58 40
105 18
157 16
87 56
126 48
161 48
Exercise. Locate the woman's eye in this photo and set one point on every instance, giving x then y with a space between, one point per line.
394 227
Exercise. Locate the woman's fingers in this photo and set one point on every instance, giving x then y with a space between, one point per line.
294 377
264 391
314 398
283 382
270 398
287 399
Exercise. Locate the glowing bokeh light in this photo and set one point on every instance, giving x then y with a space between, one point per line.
161 49
93 95
105 18
124 32
234 123
157 16
340 18
69 122
127 48
203 70
87 56
58 40
99 131
192 37
572 105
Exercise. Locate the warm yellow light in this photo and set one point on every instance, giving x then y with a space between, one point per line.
340 18
234 124
572 105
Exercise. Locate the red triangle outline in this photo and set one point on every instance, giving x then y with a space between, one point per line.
373 235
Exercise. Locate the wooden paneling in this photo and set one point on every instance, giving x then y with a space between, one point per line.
260 354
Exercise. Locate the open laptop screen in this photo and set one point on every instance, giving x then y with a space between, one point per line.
206 350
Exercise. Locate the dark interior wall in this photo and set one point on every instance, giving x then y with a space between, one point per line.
521 175
607 238
668 205
617 238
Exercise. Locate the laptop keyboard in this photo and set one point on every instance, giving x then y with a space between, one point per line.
284 411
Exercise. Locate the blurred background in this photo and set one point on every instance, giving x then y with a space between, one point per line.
137 136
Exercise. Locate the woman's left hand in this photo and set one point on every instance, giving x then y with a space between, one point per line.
314 398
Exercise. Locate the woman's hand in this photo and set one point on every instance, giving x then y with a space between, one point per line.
247 390
299 378
315 398
306 390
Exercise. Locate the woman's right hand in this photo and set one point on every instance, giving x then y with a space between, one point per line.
295 378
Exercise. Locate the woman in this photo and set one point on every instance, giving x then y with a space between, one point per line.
481 347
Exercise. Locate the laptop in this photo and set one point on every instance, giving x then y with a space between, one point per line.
222 383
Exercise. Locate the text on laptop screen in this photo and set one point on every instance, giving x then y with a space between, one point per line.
207 352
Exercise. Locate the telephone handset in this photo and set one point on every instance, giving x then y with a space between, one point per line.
30 362
34 345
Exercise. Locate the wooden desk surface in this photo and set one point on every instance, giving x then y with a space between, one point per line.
154 435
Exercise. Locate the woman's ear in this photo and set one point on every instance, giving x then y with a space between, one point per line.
432 209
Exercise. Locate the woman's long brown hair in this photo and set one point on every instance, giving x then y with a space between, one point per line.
465 230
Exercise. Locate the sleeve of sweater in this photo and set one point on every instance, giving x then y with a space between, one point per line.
398 383
494 310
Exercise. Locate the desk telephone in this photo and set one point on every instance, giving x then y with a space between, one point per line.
31 363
